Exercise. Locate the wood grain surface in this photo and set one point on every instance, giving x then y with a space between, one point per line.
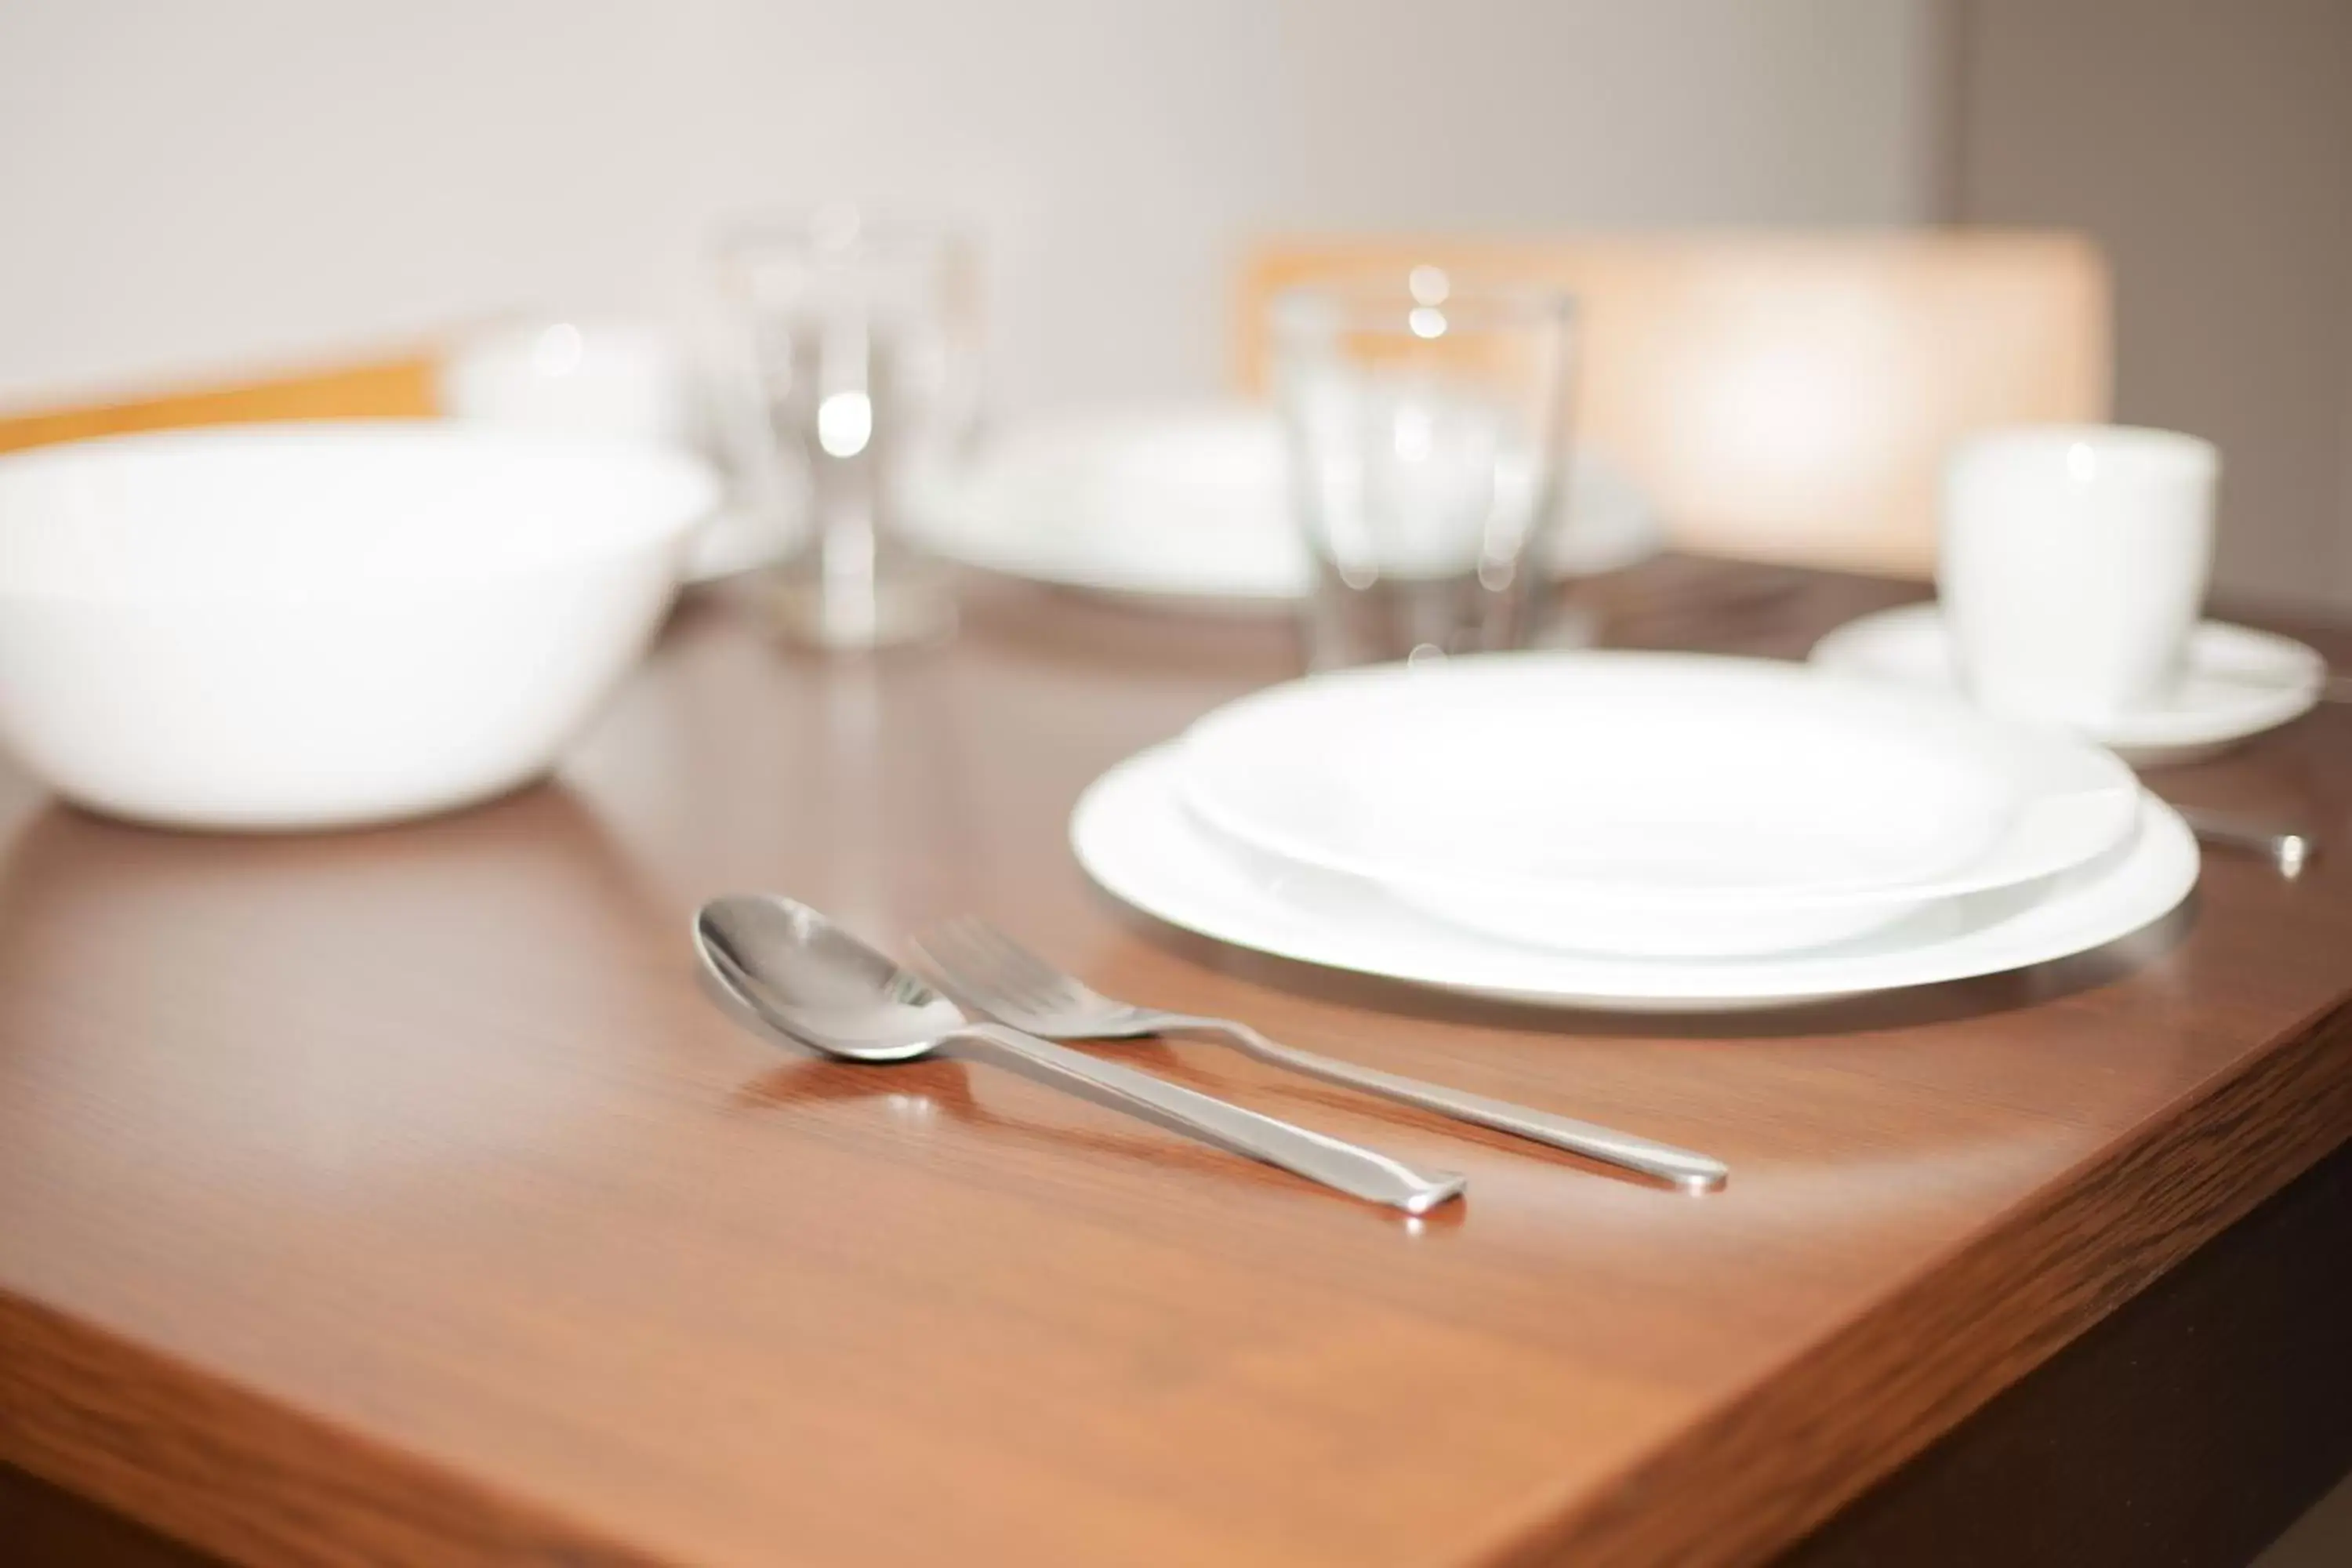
397 1196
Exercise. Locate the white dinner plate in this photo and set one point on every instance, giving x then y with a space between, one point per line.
1655 804
1191 504
2239 684
1134 837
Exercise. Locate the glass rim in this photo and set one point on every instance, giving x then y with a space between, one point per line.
1416 305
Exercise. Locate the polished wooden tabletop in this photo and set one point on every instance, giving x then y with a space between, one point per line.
398 1196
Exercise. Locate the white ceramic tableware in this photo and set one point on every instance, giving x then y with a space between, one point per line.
622 380
311 625
614 380
1134 837
2073 564
1655 804
2237 682
1189 503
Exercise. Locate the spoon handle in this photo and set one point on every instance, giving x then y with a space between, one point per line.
1359 1172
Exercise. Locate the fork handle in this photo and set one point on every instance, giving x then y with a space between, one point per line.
1662 1162
2288 849
1359 1172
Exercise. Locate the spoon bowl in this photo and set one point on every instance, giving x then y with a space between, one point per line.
796 970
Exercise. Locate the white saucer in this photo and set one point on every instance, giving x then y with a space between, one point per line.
1133 836
1191 504
2239 682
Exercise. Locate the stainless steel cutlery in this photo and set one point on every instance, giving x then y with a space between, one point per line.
1004 980
786 970
2288 849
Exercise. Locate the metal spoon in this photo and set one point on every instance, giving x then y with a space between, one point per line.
789 970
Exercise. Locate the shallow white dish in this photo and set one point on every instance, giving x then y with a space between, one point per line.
311 625
1134 837
1660 804
2239 682
1191 503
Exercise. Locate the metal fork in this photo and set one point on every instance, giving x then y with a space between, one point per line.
1000 977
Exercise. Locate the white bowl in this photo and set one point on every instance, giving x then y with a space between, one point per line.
313 626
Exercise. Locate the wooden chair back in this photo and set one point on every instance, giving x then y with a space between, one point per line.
1780 398
394 386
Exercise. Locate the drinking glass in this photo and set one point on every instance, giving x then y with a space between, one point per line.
1426 422
860 341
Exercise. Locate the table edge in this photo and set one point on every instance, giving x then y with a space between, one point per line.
1817 1432
236 1473
232 1470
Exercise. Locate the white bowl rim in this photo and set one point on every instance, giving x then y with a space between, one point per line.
695 481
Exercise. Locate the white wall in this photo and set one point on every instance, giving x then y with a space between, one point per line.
185 186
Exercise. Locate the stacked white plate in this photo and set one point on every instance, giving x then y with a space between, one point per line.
1192 505
1634 830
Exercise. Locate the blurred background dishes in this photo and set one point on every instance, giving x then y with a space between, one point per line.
626 380
311 625
615 380
1189 502
857 339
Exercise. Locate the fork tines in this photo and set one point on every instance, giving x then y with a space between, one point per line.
995 971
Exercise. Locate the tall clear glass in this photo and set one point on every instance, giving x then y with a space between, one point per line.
1426 424
860 341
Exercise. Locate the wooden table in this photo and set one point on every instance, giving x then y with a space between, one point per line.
398 1198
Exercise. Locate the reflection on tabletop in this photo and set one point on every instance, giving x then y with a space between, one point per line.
322 1001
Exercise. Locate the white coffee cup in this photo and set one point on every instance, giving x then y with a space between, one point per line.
621 380
2072 566
618 380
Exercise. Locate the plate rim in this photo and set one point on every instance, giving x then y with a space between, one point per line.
2162 857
